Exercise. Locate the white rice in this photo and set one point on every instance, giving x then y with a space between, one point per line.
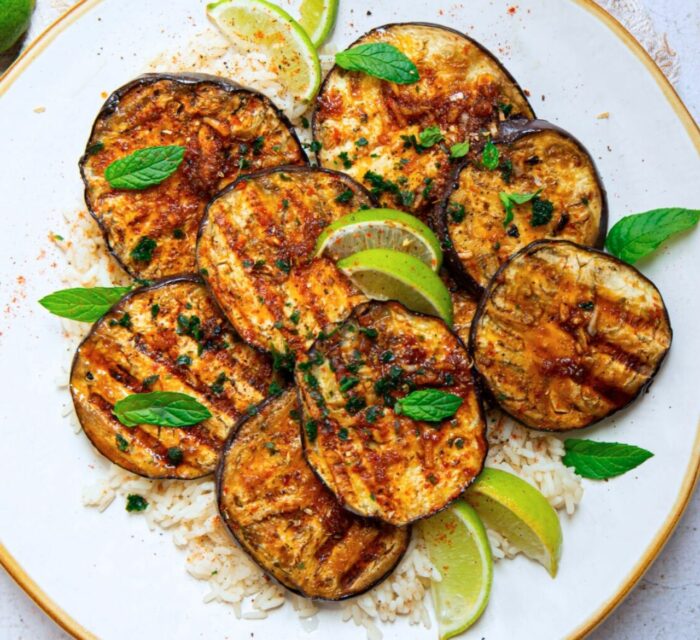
187 509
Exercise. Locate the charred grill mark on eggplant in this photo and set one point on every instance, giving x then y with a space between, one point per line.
226 130
472 219
256 250
381 464
215 367
566 335
463 90
285 518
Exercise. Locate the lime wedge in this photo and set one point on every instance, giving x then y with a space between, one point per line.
459 548
263 25
385 274
380 228
520 513
318 18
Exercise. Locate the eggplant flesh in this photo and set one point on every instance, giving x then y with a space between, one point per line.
166 337
566 335
289 523
371 128
535 157
256 251
377 462
226 131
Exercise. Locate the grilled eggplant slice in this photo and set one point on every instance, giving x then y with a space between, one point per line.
464 308
535 156
166 337
285 518
226 131
377 462
371 128
566 335
256 250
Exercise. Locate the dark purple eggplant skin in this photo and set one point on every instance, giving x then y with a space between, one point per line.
218 477
508 132
112 104
483 383
482 399
477 44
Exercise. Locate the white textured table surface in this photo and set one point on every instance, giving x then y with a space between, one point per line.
666 603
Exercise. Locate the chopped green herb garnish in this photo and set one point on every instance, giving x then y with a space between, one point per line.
122 443
178 234
217 387
275 388
490 155
348 382
541 212
150 381
345 159
355 404
270 446
370 332
183 361
456 211
136 503
361 142
386 356
143 251
345 196
311 429
175 455
283 265
154 310
343 434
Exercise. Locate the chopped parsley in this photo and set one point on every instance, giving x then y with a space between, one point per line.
588 305
361 142
345 196
217 387
370 332
348 382
154 310
150 380
136 502
175 455
386 356
343 434
283 265
183 361
258 145
122 443
355 404
295 316
505 109
311 428
270 446
373 413
124 321
345 159
178 234
490 155
429 136
541 212
143 251
456 211
275 388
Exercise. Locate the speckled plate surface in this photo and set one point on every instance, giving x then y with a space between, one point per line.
106 575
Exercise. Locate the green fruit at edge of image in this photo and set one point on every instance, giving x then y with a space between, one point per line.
14 21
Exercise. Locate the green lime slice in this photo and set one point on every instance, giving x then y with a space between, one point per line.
459 548
380 228
385 274
266 27
318 18
520 513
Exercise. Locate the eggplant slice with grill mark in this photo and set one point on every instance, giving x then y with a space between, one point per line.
285 518
166 337
566 335
377 462
226 131
534 155
256 249
371 128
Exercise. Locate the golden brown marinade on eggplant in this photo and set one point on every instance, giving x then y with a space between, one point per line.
226 131
534 158
380 463
256 252
464 308
566 335
288 521
166 337
371 128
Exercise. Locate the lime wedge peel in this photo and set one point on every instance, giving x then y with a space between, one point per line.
380 228
458 547
318 18
268 28
385 274
518 512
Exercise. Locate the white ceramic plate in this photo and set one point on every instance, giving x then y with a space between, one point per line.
107 573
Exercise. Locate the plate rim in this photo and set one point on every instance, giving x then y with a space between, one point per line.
692 473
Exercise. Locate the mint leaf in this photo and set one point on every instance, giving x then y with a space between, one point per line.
601 460
84 305
490 155
640 234
162 408
431 405
509 199
429 136
145 167
459 150
381 60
